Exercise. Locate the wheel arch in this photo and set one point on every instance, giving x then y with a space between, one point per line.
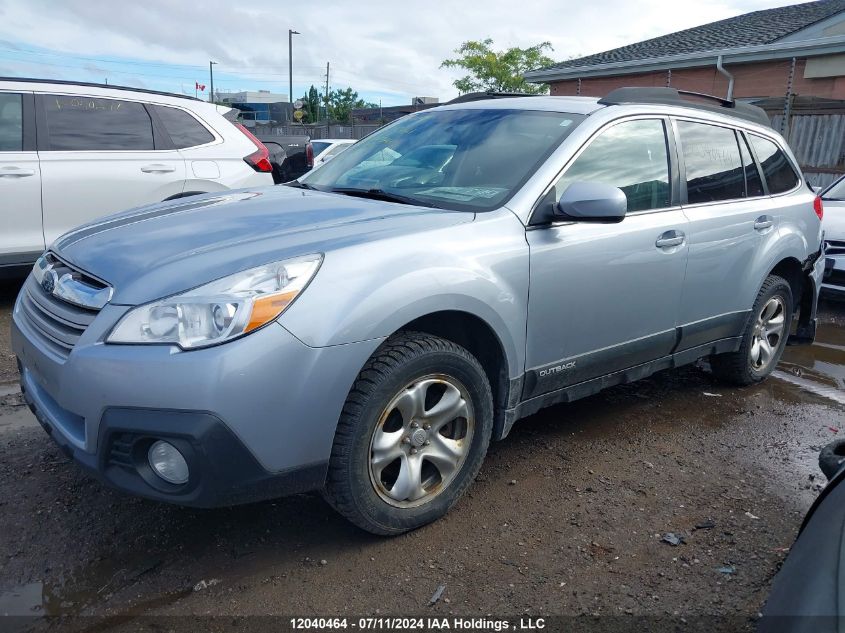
481 340
790 269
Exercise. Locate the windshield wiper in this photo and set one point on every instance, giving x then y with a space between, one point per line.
301 185
381 194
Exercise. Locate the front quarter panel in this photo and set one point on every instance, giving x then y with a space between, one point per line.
371 290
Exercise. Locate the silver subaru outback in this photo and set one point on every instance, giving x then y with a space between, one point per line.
368 330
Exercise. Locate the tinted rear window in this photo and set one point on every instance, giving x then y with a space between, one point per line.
88 123
184 129
319 147
11 122
779 173
713 165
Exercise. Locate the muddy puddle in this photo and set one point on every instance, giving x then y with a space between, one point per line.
818 371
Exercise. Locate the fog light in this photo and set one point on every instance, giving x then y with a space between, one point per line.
167 462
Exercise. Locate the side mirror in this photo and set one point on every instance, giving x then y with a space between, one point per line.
592 201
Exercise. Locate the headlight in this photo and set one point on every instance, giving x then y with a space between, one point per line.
221 310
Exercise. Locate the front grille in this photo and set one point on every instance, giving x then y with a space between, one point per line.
58 324
835 247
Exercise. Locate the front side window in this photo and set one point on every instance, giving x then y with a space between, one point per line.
11 122
90 124
779 173
714 169
631 156
183 129
472 159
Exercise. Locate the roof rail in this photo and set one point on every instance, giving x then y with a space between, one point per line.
671 96
480 96
62 82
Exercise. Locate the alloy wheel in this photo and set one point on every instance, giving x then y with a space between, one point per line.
767 333
421 441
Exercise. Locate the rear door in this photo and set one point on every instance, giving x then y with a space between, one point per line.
604 297
100 156
21 239
730 222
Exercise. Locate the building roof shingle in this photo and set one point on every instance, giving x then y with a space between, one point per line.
756 28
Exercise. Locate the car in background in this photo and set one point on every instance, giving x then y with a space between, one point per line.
291 156
808 592
833 198
74 152
327 148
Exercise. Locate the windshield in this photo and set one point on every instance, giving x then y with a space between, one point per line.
836 192
453 159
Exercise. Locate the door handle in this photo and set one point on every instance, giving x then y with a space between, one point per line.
670 239
157 169
763 222
16 172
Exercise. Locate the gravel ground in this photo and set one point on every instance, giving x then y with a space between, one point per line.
570 516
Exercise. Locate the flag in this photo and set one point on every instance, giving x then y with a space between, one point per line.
199 86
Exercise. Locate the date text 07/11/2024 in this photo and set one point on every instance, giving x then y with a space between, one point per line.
418 624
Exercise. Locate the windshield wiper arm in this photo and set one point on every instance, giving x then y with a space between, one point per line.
301 185
380 194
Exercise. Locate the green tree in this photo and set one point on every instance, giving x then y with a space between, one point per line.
342 102
340 105
498 71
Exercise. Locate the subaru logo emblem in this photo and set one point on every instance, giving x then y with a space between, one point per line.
48 283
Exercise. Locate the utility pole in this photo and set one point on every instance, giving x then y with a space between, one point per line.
291 33
328 128
211 83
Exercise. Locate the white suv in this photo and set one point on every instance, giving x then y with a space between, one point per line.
72 152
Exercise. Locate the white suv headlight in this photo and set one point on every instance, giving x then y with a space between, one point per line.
221 310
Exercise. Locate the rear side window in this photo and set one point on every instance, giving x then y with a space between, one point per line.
90 124
11 122
713 165
779 173
631 156
184 130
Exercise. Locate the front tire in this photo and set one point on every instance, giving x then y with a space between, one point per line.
764 338
412 435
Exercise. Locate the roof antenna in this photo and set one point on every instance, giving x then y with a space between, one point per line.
730 77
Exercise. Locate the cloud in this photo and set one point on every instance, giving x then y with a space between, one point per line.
382 46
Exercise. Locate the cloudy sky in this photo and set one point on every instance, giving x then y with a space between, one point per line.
387 50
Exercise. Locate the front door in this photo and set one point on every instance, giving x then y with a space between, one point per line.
604 297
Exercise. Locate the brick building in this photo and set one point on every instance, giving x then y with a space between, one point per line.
789 60
798 50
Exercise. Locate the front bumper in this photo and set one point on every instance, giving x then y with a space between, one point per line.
833 283
255 418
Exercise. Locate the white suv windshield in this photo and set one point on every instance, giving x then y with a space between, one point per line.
454 159
836 192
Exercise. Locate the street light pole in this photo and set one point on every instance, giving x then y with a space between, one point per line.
211 83
291 33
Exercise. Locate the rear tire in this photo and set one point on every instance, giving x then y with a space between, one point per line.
764 338
412 435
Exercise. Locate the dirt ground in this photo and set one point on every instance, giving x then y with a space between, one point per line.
570 516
